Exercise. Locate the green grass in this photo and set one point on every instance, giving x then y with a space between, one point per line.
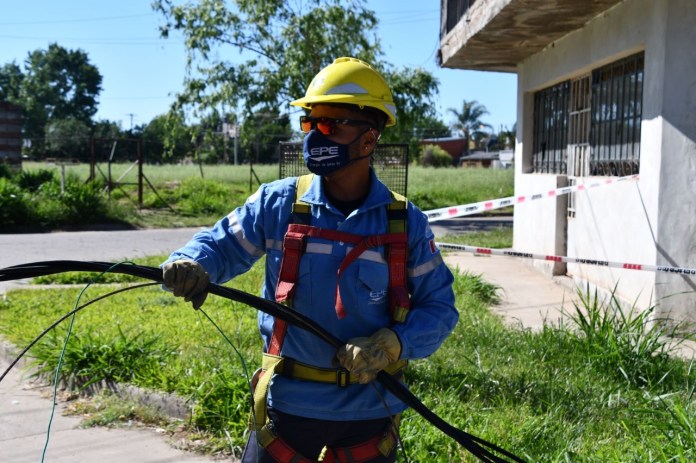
600 388
183 195
496 238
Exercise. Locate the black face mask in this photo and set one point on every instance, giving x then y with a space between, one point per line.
323 156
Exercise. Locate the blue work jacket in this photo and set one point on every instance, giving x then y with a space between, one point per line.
235 242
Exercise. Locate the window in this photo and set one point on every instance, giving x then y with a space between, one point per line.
551 129
591 125
617 109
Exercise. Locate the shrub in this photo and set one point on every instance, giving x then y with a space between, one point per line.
32 180
201 196
13 207
434 156
5 171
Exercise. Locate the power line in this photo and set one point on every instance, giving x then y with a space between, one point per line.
59 21
99 41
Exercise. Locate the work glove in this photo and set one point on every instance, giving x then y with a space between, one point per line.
187 279
365 357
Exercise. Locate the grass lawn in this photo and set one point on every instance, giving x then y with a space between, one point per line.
599 389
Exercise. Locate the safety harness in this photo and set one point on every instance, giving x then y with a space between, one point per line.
294 246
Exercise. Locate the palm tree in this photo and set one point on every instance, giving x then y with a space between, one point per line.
468 122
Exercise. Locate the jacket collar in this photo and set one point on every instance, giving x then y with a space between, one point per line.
379 194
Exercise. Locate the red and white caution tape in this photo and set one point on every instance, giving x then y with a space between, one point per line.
491 204
572 260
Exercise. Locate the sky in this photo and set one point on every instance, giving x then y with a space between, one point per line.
142 72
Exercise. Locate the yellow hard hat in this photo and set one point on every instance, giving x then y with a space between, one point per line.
350 81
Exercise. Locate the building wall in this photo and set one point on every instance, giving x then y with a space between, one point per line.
10 134
645 222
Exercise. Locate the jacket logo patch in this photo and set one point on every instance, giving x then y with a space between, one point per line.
377 296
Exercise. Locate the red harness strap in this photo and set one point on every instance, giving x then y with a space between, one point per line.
392 239
283 453
358 453
294 245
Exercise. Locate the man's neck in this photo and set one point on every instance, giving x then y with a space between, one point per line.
349 184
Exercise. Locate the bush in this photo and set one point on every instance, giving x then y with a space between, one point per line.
5 171
14 210
34 200
32 180
201 196
434 156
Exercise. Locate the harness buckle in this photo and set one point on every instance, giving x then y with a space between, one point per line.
342 377
295 241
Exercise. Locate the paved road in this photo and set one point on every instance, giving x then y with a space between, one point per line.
109 246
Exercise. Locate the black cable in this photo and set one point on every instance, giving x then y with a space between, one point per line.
475 445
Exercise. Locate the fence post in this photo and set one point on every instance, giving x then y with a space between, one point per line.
140 172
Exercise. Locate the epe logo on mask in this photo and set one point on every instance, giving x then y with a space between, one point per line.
323 152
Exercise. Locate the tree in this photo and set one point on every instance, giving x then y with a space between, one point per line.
167 138
432 127
468 122
506 138
11 78
260 54
58 84
413 91
262 132
67 139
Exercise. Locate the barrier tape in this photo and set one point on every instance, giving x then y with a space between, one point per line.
491 204
572 260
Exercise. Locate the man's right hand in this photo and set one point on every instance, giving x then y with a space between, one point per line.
187 279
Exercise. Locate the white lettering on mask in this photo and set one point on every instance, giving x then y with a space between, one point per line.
323 152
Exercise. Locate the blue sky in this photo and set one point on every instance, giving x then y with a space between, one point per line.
142 72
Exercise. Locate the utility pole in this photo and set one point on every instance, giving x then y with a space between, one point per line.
131 119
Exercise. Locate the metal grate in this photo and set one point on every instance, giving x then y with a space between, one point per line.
591 125
390 163
579 135
617 109
551 129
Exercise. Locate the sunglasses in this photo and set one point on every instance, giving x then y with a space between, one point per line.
327 125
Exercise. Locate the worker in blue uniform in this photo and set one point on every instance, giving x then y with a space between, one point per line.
351 237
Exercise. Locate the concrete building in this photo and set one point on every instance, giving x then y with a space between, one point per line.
606 88
10 135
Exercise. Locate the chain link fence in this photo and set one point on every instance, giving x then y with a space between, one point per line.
390 163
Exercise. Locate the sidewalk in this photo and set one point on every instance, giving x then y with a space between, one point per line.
528 298
25 410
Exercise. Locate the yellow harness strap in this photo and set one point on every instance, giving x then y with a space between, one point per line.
291 368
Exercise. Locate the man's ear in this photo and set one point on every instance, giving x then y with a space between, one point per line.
371 143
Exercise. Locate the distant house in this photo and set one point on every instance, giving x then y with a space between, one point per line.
10 134
452 145
606 89
479 159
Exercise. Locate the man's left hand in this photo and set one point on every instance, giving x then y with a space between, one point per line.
365 357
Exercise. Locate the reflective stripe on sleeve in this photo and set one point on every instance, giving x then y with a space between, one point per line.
429 266
238 232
